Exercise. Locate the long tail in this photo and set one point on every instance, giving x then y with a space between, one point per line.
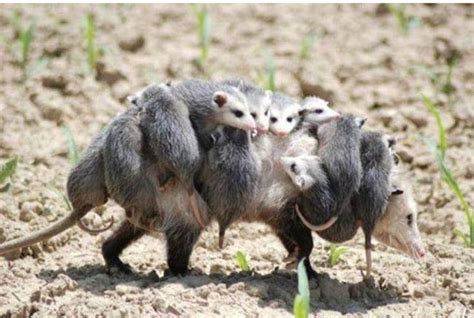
41 235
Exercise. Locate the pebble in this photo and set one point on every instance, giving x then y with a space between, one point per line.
423 162
419 119
132 43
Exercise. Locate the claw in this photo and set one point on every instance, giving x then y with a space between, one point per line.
83 227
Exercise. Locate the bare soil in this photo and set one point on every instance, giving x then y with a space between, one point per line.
361 61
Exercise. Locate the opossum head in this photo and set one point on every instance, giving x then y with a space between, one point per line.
284 115
232 110
397 227
259 105
316 111
302 170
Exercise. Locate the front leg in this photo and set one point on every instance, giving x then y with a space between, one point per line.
180 239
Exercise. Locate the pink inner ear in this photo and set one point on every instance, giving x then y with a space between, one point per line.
220 100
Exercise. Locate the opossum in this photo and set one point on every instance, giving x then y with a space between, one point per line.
228 107
339 143
369 206
284 115
86 188
259 102
170 136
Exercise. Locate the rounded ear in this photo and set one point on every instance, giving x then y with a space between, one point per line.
360 121
397 191
132 99
220 98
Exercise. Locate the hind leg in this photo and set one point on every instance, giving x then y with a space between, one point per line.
116 243
293 231
180 242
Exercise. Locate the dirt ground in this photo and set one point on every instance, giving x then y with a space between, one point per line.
361 61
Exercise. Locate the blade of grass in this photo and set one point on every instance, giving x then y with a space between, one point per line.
89 36
7 169
307 46
335 253
242 261
442 140
301 302
73 154
269 71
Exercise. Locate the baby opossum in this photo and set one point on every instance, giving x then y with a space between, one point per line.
340 157
259 102
170 136
228 107
284 115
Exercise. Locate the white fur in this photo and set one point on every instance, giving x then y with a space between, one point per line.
226 116
284 119
393 228
302 170
317 111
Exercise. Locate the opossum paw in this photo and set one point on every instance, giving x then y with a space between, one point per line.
119 268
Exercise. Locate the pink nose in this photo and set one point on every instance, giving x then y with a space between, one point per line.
281 134
338 115
262 129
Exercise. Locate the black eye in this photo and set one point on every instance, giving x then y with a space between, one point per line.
266 113
289 119
238 113
254 115
273 119
318 111
293 167
410 219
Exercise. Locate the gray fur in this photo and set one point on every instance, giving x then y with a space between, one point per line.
230 177
339 143
197 96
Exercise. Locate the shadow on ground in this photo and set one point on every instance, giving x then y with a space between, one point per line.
275 289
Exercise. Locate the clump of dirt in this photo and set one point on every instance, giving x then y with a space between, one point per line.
361 61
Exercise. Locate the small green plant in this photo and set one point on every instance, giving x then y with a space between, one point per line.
439 150
73 154
301 302
6 170
26 37
335 253
405 22
242 261
204 34
270 69
307 47
89 36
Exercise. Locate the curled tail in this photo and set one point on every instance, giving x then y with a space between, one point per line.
44 234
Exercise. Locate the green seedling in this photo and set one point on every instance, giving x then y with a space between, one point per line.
301 302
204 34
439 150
89 36
405 22
73 154
6 170
242 261
335 254
269 75
307 47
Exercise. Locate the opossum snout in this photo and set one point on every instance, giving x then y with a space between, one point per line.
419 252
281 134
